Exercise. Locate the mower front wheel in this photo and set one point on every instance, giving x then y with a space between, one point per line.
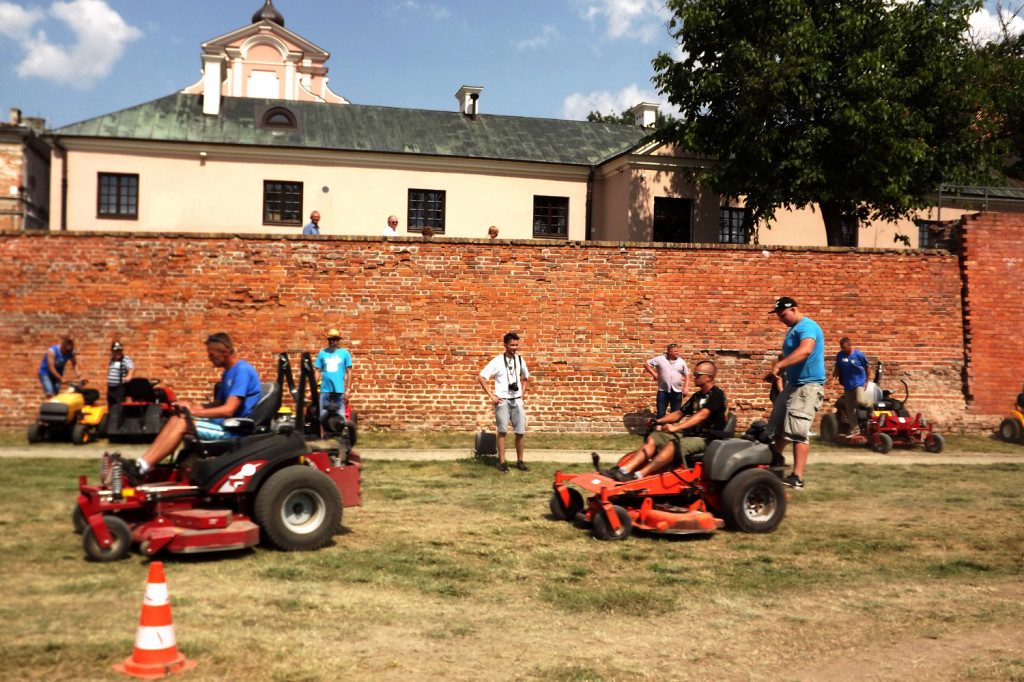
298 509
934 444
35 432
118 549
883 444
563 512
829 429
1010 430
754 501
603 528
81 434
78 521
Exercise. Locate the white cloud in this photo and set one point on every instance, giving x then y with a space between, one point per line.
638 19
985 25
16 21
577 105
548 34
433 11
102 36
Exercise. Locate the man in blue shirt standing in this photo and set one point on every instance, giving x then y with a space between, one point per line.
238 393
313 226
852 370
333 365
803 358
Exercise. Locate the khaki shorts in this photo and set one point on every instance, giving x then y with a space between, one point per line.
685 445
794 411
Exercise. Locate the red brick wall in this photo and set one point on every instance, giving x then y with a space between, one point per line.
422 318
993 263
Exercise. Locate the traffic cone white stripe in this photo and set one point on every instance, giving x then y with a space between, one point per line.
156 594
155 638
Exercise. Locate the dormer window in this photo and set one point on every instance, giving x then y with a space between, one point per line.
279 118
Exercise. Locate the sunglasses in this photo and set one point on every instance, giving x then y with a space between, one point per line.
701 374
334 338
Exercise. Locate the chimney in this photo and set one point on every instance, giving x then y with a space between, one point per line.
644 114
15 116
469 97
213 74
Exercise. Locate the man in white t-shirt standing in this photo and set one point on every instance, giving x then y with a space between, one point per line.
673 377
510 375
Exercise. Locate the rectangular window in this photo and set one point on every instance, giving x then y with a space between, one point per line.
730 225
848 232
282 202
118 196
426 209
925 238
673 220
551 217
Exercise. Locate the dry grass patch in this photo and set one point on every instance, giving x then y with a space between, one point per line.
451 570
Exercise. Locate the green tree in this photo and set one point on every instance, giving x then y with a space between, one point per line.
1004 73
626 118
862 107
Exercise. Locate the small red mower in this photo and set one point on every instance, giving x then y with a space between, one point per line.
730 484
142 413
225 495
885 424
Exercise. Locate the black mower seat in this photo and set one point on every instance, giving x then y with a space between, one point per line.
727 431
139 390
257 422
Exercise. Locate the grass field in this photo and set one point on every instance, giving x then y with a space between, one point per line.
450 570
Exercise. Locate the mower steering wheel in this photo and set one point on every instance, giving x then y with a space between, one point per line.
190 423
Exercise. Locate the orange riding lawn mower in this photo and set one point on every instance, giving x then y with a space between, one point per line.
886 424
1012 428
279 483
735 482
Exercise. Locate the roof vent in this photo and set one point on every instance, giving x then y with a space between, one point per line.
644 114
469 97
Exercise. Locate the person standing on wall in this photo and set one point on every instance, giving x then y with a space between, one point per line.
673 377
803 359
510 376
313 226
120 371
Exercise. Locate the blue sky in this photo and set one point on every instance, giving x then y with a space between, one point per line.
71 60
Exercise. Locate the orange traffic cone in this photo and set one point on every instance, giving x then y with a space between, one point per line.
156 649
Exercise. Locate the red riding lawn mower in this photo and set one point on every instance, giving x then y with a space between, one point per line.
285 486
143 412
732 483
885 424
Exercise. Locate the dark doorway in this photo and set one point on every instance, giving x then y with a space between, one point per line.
673 220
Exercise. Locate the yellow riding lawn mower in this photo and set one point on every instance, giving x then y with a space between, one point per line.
74 414
1012 428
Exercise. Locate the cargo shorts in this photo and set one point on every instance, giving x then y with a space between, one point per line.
794 411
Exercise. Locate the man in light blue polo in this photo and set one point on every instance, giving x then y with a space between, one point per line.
803 358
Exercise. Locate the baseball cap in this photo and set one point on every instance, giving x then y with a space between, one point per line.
116 346
783 303
332 332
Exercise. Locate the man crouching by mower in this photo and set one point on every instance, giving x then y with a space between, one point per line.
686 431
238 392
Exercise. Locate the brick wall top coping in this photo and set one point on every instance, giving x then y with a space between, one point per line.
441 239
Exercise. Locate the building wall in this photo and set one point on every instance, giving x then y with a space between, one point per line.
423 317
12 159
993 260
223 191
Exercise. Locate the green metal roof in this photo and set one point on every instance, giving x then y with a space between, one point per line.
353 127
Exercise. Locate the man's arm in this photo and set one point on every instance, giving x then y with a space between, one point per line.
350 380
693 420
487 389
651 371
686 379
217 409
131 371
51 358
670 418
799 354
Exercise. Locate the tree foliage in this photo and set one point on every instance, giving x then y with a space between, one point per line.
862 107
626 118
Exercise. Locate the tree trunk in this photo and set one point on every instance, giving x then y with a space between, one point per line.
836 216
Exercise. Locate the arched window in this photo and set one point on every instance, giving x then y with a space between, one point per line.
279 117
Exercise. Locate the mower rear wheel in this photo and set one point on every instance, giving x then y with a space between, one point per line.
603 528
935 443
884 443
118 550
298 509
754 501
829 428
561 511
35 432
1010 430
80 435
